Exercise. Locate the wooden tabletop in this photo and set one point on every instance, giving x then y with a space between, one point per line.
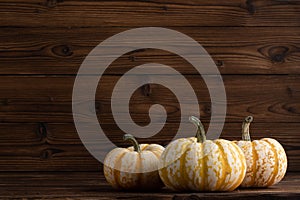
92 185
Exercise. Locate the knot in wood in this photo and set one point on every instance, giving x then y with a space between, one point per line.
53 3
49 152
278 53
42 130
62 50
219 63
147 90
250 7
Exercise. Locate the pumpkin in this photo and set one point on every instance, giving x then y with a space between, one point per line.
135 167
266 159
198 164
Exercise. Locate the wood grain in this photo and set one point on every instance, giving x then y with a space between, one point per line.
235 50
49 99
91 185
76 13
255 45
57 147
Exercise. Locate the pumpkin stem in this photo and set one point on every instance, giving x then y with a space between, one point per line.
245 128
135 144
200 135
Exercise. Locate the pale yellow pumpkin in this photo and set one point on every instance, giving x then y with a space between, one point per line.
198 164
133 168
266 159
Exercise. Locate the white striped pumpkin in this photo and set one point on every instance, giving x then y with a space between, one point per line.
198 164
266 159
135 167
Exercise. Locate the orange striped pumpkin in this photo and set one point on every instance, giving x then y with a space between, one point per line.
266 159
198 164
133 168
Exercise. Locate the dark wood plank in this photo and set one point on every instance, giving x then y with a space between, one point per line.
53 13
57 147
235 50
29 134
91 185
48 99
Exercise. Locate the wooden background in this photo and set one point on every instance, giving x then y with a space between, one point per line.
255 44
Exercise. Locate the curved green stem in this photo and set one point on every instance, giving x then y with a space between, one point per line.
245 128
200 135
135 144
